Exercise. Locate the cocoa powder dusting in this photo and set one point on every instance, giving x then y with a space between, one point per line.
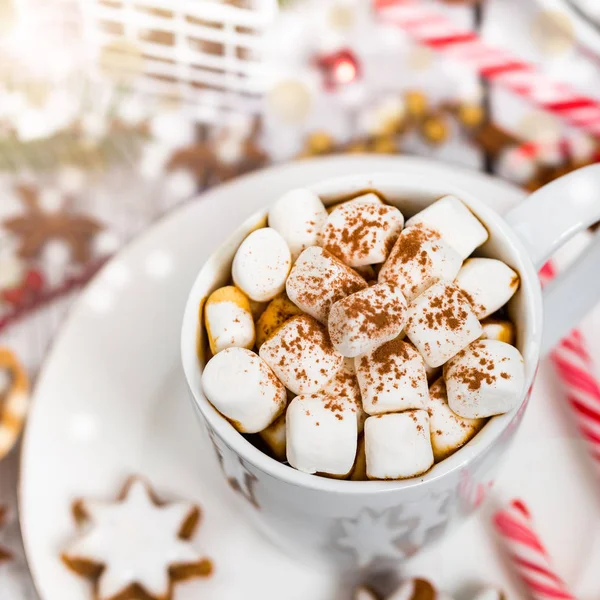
448 309
378 309
361 232
385 357
410 245
334 281
298 338
474 377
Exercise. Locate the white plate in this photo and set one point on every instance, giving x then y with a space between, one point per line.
111 401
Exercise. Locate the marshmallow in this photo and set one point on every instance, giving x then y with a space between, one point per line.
498 329
228 320
321 435
449 431
242 388
318 280
392 378
454 222
278 311
432 372
419 258
441 323
485 379
488 284
344 387
301 355
359 470
299 216
398 445
368 197
362 233
261 264
274 438
366 319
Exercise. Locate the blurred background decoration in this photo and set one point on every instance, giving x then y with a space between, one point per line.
112 112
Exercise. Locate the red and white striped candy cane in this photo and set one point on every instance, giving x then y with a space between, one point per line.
527 553
433 29
575 368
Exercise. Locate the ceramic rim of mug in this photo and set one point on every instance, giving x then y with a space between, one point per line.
529 296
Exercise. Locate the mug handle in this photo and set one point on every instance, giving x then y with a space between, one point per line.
544 222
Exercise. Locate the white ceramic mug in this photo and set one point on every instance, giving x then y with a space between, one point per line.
355 524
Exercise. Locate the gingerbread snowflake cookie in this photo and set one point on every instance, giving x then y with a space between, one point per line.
421 589
136 548
48 217
412 589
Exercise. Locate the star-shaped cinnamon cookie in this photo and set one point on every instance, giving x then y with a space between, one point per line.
136 548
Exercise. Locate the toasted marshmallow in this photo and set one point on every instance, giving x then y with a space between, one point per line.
398 445
242 388
261 264
362 233
454 222
441 322
498 329
228 320
274 437
301 355
299 216
488 284
392 378
318 280
257 308
359 470
490 593
344 387
485 379
449 431
367 273
321 435
419 258
366 319
278 311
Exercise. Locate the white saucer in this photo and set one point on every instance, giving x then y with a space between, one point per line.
111 401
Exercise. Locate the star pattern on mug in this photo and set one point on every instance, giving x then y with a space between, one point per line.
238 477
376 535
437 508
